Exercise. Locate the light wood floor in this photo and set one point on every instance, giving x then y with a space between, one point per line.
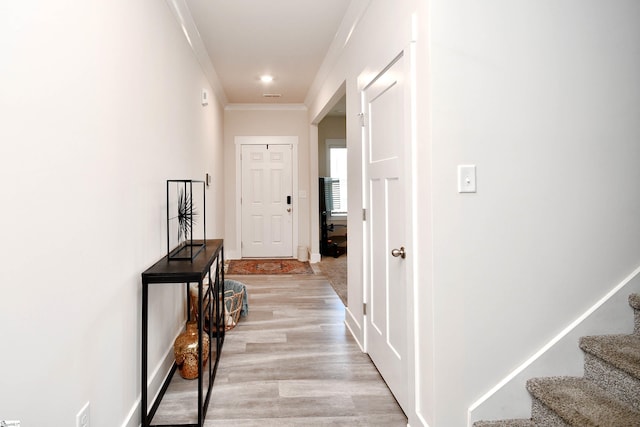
291 362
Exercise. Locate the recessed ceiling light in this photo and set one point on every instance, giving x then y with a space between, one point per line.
266 78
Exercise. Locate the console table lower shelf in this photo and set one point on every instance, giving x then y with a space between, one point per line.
208 264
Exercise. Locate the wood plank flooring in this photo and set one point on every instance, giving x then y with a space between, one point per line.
290 362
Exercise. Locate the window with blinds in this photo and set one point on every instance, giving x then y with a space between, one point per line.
338 190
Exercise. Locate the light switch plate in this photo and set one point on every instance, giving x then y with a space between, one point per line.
466 178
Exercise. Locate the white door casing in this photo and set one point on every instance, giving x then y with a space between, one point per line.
387 144
267 206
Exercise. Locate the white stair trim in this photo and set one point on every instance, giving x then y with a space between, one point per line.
550 344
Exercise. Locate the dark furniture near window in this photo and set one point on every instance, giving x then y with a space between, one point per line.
329 245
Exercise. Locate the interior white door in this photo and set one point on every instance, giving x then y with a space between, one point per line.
267 201
386 139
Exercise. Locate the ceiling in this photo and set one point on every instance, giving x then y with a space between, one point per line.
287 39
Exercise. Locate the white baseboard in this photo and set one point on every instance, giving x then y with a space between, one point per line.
133 417
355 328
154 384
314 258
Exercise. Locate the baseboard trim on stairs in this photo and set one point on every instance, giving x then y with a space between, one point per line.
550 344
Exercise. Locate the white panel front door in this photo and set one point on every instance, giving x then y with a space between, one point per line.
266 201
386 139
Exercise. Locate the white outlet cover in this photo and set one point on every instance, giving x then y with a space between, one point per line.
83 418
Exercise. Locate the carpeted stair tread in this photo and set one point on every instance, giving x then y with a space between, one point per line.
620 351
581 403
634 301
505 423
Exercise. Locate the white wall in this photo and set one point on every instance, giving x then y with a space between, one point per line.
383 31
269 120
544 99
100 105
387 27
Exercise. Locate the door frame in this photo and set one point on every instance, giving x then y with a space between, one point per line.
268 140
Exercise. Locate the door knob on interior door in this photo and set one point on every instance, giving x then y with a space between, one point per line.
288 209
399 252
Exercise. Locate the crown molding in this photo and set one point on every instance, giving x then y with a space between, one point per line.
182 14
350 21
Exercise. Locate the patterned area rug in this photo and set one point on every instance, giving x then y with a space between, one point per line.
268 266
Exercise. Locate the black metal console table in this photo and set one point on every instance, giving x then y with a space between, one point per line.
187 272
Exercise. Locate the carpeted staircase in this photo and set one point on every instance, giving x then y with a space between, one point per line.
607 395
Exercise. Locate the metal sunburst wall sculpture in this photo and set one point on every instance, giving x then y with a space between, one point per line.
187 215
185 219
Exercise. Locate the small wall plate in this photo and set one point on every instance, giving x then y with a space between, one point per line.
205 97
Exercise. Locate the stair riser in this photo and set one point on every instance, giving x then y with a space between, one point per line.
620 384
505 423
541 415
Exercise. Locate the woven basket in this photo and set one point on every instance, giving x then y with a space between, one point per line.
232 306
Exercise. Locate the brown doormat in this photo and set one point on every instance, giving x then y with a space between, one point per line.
268 266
